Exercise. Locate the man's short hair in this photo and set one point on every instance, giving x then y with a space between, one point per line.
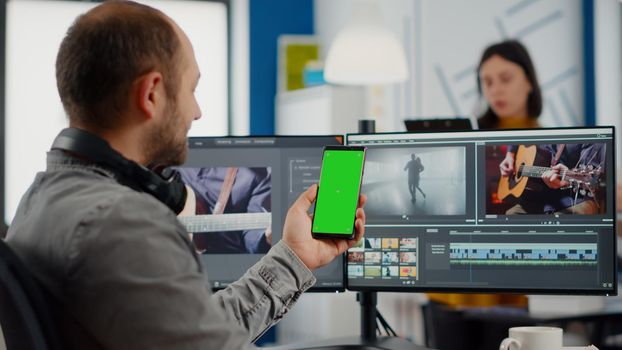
105 51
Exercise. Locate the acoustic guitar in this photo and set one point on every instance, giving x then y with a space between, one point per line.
530 164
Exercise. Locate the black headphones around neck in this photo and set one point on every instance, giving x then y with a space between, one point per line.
168 188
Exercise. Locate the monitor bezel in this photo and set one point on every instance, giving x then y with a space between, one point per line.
473 290
313 289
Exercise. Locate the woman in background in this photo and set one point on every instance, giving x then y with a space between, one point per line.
507 80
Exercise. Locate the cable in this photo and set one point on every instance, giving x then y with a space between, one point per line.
384 325
390 331
379 326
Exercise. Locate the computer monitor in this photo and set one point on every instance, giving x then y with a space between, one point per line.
247 184
440 217
438 124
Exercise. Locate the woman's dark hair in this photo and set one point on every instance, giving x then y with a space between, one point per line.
513 51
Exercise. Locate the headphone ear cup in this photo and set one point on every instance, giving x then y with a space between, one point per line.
173 192
170 190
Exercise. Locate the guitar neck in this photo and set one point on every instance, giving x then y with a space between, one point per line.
226 222
532 171
537 171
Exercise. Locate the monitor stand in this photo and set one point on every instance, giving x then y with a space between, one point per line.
368 339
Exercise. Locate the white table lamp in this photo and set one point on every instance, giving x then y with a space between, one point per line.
365 52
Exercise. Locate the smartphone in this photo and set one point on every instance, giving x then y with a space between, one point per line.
338 192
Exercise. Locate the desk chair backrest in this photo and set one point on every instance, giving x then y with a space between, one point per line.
25 314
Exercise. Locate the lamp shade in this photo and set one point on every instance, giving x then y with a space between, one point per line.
365 52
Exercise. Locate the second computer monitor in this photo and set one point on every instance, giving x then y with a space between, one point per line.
488 211
242 188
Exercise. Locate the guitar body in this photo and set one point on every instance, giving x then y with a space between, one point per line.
515 185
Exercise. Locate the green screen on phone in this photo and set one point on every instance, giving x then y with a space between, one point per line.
338 194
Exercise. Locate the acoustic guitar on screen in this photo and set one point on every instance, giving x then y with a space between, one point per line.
530 164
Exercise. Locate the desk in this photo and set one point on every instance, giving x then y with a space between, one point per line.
597 325
353 343
465 329
485 328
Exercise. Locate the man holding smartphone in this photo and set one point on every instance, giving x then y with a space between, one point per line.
99 229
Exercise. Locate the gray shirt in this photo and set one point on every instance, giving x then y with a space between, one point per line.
123 274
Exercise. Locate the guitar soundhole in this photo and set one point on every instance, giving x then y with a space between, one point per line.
519 173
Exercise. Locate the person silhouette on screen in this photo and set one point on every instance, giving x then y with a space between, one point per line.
414 168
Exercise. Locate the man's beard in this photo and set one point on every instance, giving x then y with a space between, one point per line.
162 145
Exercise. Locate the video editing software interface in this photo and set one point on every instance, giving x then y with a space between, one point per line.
243 187
441 216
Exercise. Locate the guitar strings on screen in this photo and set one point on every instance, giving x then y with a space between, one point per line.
231 209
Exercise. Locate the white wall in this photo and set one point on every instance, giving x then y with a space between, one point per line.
444 40
34 114
240 68
326 316
452 43
608 19
320 317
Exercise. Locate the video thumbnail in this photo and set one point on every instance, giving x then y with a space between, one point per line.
372 271
546 179
408 243
390 243
390 271
414 181
408 271
372 243
408 258
356 257
389 258
372 258
355 270
358 246
229 209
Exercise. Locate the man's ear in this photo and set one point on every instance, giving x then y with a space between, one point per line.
149 93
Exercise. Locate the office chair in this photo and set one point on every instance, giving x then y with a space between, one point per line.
25 316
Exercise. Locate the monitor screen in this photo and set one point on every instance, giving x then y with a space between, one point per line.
243 187
441 217
438 124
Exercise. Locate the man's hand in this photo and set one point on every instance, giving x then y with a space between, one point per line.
268 235
506 167
190 208
552 177
313 252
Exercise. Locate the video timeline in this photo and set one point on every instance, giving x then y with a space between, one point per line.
563 254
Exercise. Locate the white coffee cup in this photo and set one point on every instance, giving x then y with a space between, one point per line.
533 338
